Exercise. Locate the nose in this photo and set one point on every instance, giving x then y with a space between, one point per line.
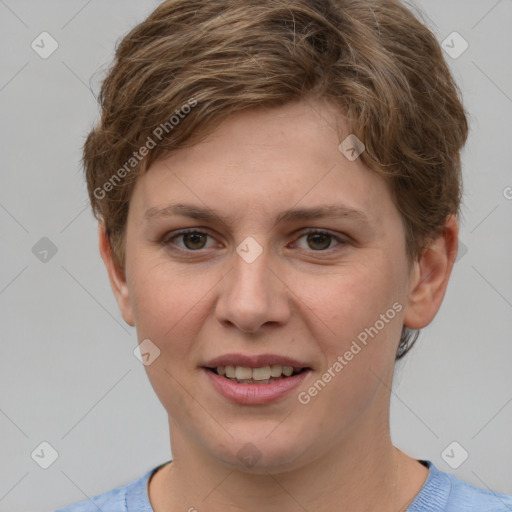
253 296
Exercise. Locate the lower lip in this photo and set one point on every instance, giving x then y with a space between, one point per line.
255 394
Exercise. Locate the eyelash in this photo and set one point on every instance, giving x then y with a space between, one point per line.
169 240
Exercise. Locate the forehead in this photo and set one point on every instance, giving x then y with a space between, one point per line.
265 163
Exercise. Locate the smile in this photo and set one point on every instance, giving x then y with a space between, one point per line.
260 375
254 380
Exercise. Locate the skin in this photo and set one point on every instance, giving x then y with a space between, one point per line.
303 297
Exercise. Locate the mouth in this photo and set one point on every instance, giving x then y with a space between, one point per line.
259 375
255 379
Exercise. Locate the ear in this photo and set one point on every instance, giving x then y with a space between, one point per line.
430 275
116 276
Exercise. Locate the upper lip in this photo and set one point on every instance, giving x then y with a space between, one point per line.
256 361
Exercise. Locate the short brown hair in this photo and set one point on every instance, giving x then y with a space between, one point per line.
199 61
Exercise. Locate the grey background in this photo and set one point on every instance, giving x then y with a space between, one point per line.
68 375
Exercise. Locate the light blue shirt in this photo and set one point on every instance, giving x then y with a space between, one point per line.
441 492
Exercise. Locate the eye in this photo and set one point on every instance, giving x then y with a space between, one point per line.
320 240
192 240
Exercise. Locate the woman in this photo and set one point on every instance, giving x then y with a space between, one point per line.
277 185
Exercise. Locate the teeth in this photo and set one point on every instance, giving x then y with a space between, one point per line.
262 373
287 370
276 370
243 373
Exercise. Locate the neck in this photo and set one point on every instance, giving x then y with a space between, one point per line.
362 473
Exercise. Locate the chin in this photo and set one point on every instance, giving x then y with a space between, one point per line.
260 454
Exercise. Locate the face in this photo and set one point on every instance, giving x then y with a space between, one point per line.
324 292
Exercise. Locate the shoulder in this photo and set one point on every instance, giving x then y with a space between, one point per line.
444 492
110 501
466 497
132 496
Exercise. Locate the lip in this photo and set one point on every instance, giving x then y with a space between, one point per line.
255 394
256 361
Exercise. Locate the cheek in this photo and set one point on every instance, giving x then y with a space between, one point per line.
167 307
363 310
170 306
359 353
354 298
160 296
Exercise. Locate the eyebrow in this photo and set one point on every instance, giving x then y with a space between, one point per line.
292 214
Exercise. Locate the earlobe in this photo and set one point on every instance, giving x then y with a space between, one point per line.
430 276
116 275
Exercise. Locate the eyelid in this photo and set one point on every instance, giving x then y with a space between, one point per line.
314 231
169 237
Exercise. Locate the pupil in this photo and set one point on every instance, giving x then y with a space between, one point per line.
321 235
195 239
